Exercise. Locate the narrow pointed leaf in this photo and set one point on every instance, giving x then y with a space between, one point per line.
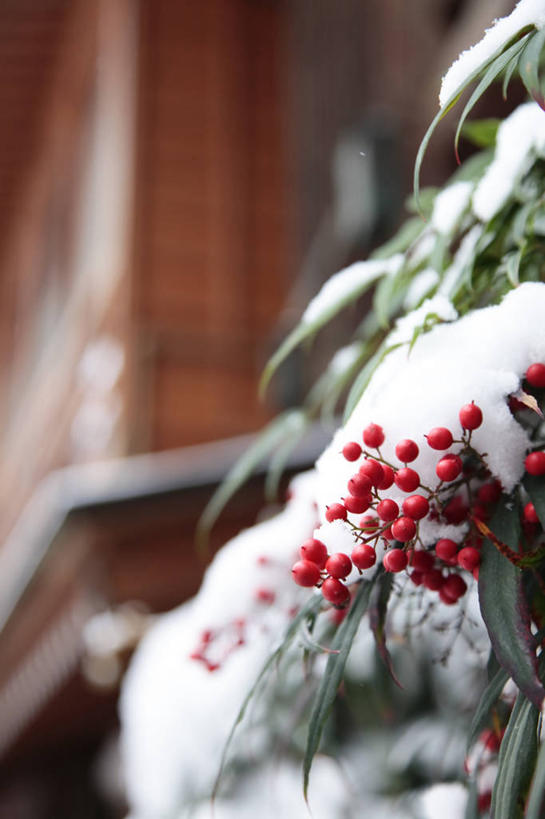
332 677
481 132
509 71
378 607
504 606
488 699
529 66
535 808
281 454
535 486
516 761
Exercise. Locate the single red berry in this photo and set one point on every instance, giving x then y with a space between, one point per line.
305 573
449 467
334 591
315 551
395 560
373 470
439 438
265 596
387 534
406 451
369 523
456 510
407 479
336 512
433 580
530 514
416 507
446 598
535 463
373 436
484 801
404 529
416 577
421 560
491 740
363 556
358 505
535 375
359 485
469 558
470 416
480 512
352 451
455 586
489 492
446 550
337 615
387 477
387 509
338 565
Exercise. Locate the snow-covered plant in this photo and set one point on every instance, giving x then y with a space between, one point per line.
422 531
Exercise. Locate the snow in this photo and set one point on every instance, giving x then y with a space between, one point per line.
481 357
526 13
345 358
449 206
520 137
447 800
348 283
420 286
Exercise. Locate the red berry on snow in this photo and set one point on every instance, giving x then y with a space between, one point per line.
449 467
387 509
358 505
416 507
433 580
265 596
336 512
535 463
446 550
535 375
470 416
352 451
373 436
387 477
406 451
489 492
439 438
421 560
404 529
373 470
338 565
469 558
530 514
305 573
454 586
395 560
359 485
416 577
446 598
363 556
315 551
369 523
407 479
334 591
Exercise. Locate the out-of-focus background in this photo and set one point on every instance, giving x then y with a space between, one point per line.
177 180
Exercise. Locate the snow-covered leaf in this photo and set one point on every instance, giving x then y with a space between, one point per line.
528 66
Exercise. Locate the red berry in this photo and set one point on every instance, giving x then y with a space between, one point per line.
454 586
358 505
265 596
489 492
338 565
369 523
395 560
406 450
352 451
407 479
449 467
363 556
530 514
334 591
315 551
404 529
416 507
480 512
456 510
359 485
470 416
535 463
446 598
305 573
416 577
336 512
535 375
469 558
446 550
373 470
387 477
439 438
433 580
421 560
387 534
373 436
387 509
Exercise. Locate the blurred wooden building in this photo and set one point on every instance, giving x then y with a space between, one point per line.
168 171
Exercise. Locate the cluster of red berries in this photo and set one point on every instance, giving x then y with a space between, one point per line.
454 500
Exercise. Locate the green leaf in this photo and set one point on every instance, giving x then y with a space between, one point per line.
495 68
489 697
481 132
512 265
282 452
535 486
516 761
333 674
528 66
504 606
378 608
509 71
266 442
472 805
535 807
403 239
